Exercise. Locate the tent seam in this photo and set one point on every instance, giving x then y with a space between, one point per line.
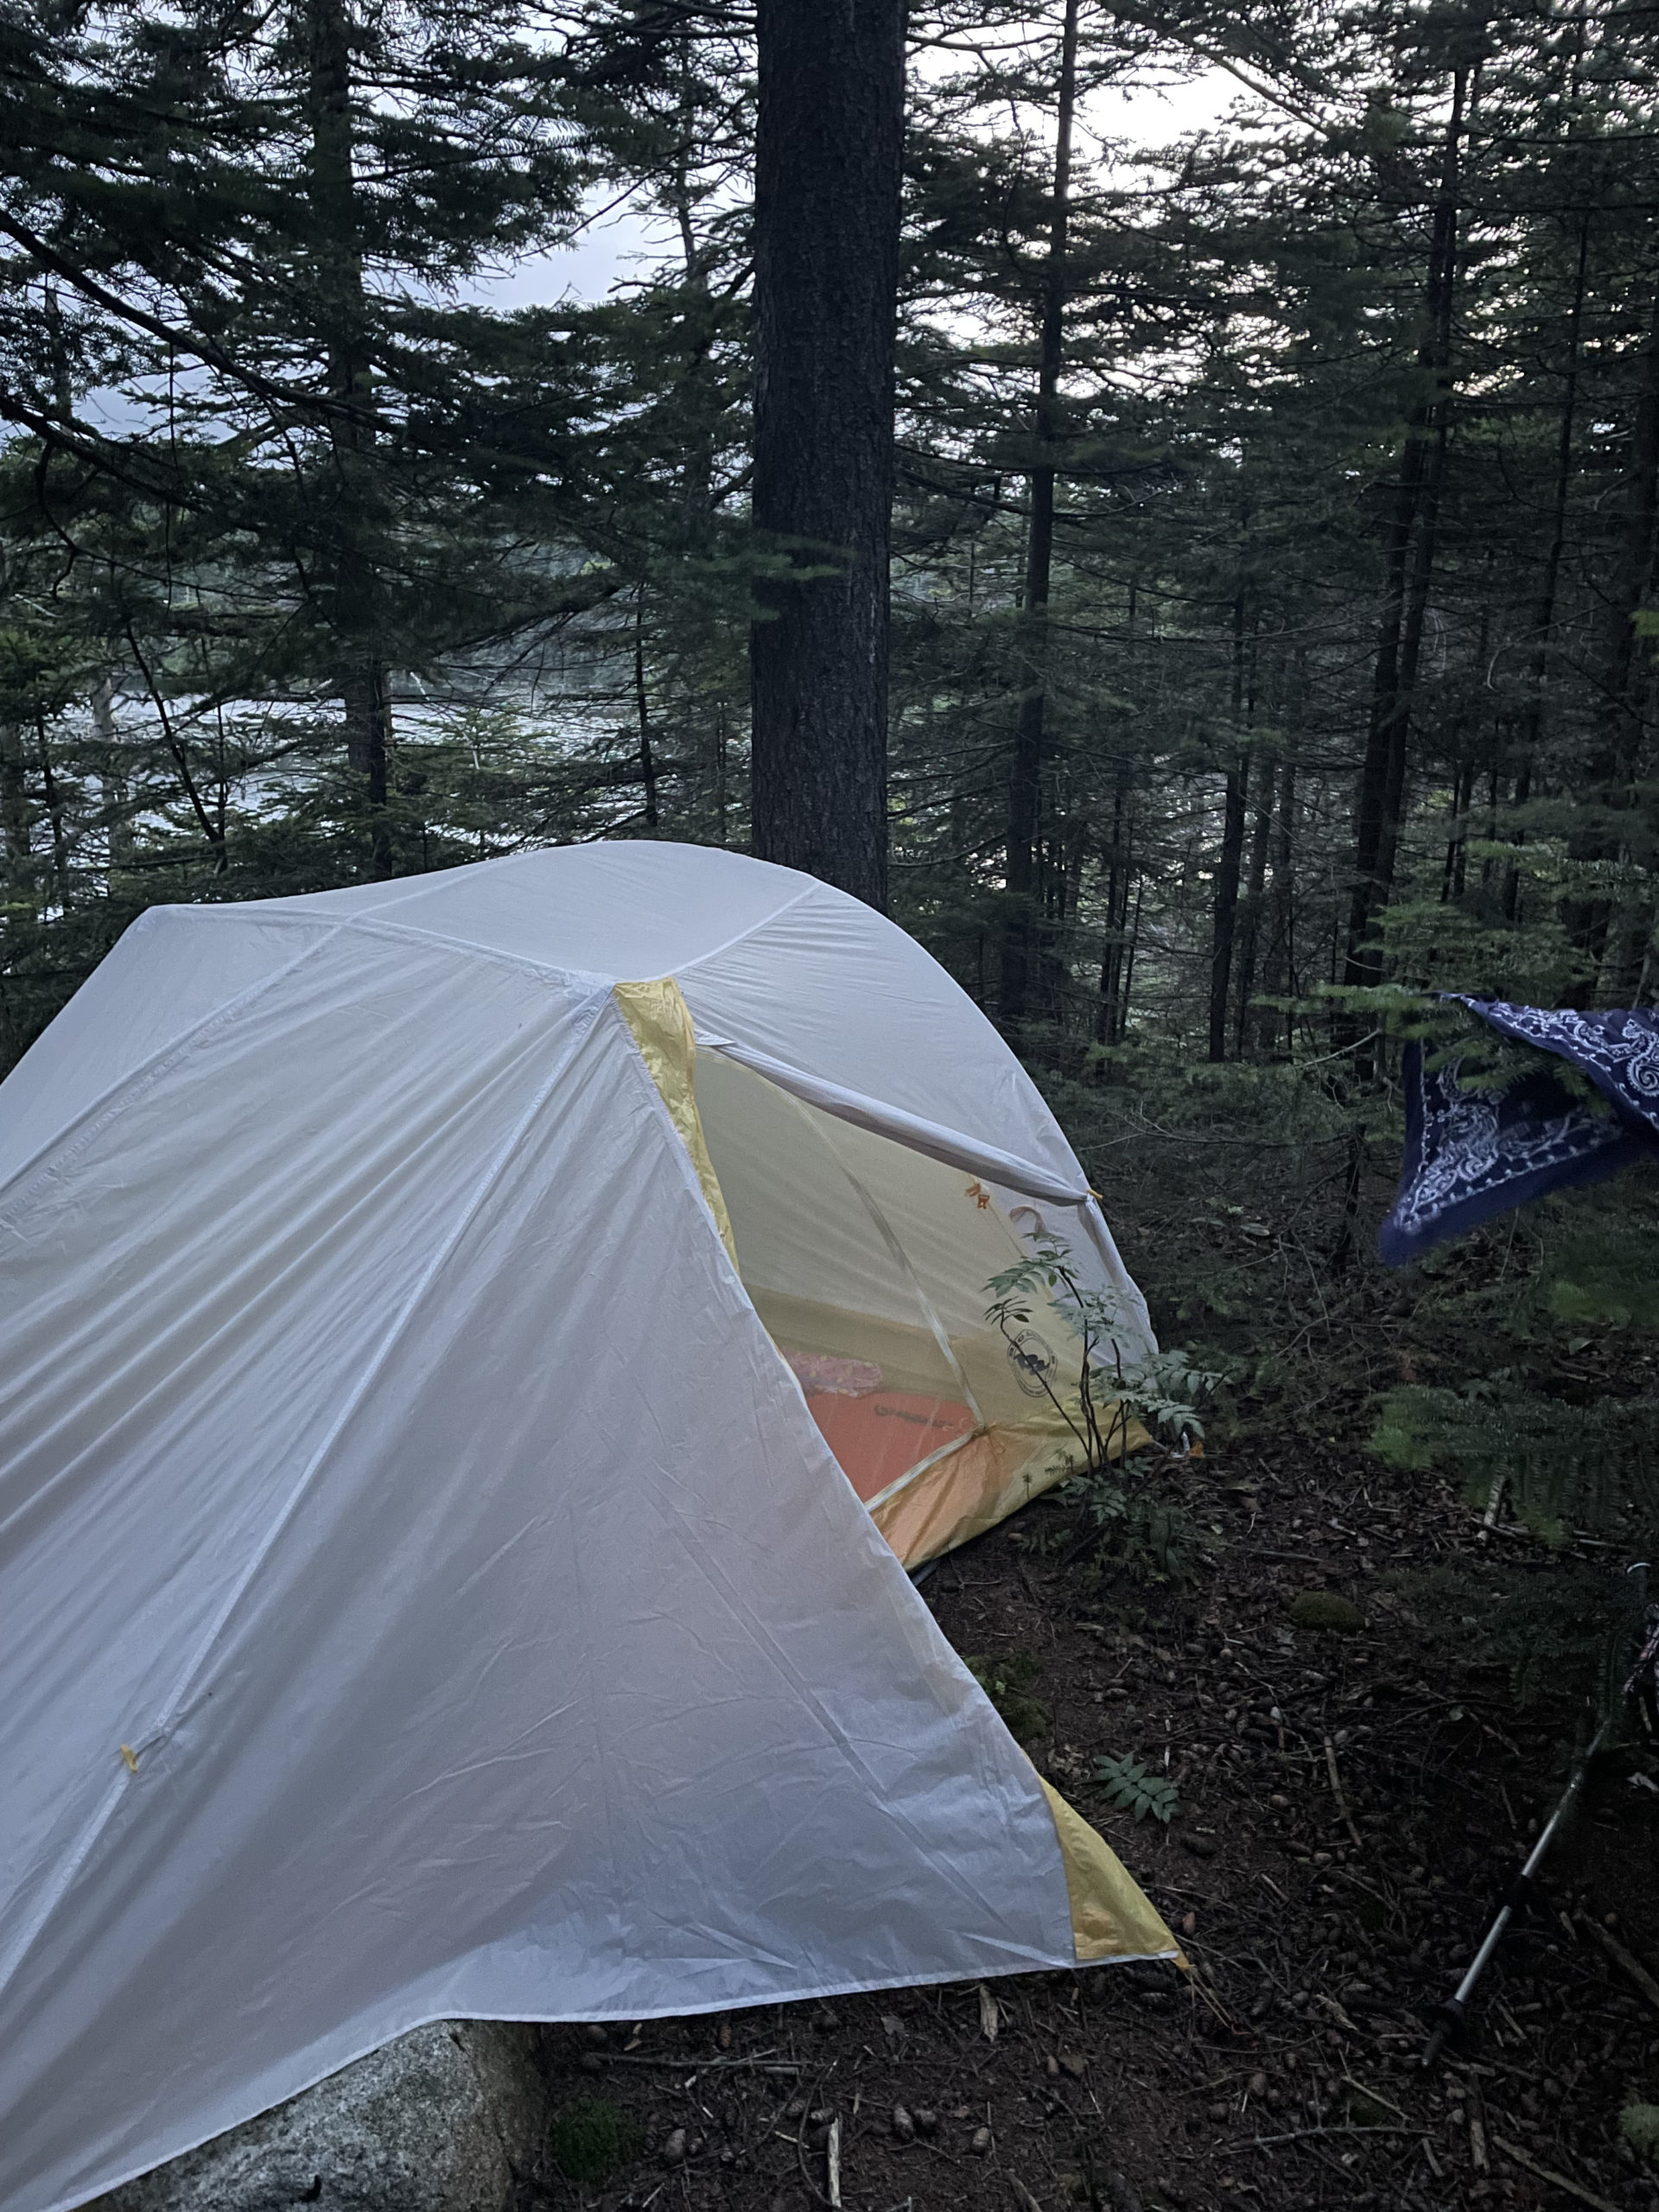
754 930
688 1165
22 1179
369 920
407 932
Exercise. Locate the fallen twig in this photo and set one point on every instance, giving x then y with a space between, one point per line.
1377 2094
1557 2180
1477 2133
809 2105
1311 2134
1621 1959
699 2065
1336 1792
1489 1519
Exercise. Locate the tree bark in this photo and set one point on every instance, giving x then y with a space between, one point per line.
355 591
1281 906
829 141
1025 769
1225 914
1409 549
1622 721
1116 869
647 757
1249 931
15 817
113 782
55 816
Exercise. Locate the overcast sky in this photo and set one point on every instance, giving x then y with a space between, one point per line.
619 244
617 248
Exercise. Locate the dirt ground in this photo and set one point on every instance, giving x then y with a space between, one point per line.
1352 1808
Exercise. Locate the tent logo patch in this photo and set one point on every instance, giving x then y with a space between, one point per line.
1034 1364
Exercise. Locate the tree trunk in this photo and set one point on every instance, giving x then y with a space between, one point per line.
111 782
55 816
1623 720
1543 613
1250 919
1457 845
1115 870
647 758
1132 945
14 817
354 583
1026 769
1281 935
1633 575
1409 551
1225 909
829 141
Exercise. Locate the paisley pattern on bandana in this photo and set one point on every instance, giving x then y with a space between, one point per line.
1619 1050
1470 1155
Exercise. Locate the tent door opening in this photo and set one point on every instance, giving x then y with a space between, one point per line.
871 1266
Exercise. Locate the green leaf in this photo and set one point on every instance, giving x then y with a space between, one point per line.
1133 1789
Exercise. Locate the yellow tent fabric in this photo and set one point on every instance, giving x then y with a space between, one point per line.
870 1264
960 1492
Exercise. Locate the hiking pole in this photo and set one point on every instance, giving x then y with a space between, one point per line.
1640 1687
1643 1684
1450 2014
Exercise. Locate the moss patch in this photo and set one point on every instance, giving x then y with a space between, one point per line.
1323 1609
592 2140
1003 1681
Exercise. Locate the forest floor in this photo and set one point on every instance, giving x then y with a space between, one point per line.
1353 1807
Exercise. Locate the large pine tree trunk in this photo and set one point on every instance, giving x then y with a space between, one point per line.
829 142
353 586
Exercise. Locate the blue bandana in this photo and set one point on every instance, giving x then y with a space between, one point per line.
1471 1155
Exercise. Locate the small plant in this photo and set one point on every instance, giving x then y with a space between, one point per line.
1003 1681
1107 1398
1135 1789
1148 1539
1043 1538
593 2139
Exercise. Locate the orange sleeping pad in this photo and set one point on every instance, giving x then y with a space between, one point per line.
882 1435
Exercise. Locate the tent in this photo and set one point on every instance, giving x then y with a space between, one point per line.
434 1320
